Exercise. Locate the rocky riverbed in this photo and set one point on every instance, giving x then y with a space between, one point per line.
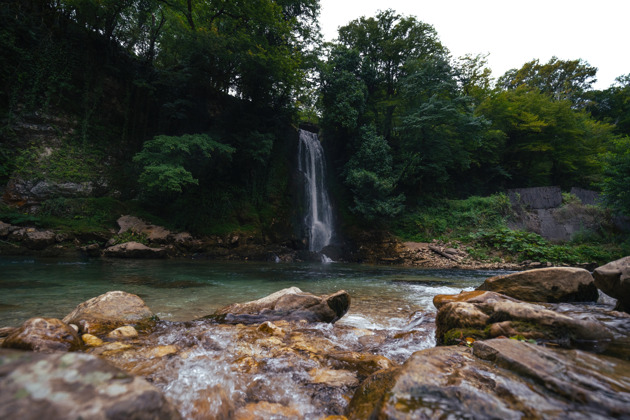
563 354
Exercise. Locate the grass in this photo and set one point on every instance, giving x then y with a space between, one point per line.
481 224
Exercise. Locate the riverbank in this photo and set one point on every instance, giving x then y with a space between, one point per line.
252 360
136 238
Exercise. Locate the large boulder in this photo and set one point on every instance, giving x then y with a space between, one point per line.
555 284
33 239
614 280
483 315
109 311
134 250
499 378
288 304
136 225
43 335
74 386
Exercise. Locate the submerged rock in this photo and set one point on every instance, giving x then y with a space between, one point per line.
288 304
504 379
614 280
73 386
555 284
134 250
109 311
43 335
482 315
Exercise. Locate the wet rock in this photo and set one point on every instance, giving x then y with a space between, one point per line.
91 340
364 364
43 335
4 229
109 311
498 379
267 410
32 238
483 315
124 332
153 233
62 386
134 250
556 284
92 250
614 280
287 304
334 377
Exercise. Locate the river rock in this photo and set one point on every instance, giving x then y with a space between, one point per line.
5 229
483 315
134 250
32 238
497 379
555 284
154 233
109 311
124 332
73 386
287 304
43 335
614 280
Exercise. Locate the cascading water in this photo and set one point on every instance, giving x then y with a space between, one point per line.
318 217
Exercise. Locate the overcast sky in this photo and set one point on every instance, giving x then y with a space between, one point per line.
513 32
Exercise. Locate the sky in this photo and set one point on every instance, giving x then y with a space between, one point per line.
512 32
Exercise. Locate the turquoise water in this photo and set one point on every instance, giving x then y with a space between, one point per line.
180 290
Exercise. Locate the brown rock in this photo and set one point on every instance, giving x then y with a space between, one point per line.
555 284
124 332
92 340
134 250
109 311
34 239
475 315
500 379
153 233
287 304
43 335
72 386
334 377
614 280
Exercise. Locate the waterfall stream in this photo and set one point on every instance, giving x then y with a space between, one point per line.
318 213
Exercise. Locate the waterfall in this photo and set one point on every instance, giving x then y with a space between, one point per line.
318 213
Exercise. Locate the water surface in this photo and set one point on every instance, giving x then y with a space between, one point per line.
179 290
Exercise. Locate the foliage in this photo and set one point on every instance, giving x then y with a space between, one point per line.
616 182
560 79
167 161
547 142
453 219
530 246
369 176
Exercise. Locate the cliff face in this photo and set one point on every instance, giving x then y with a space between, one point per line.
542 211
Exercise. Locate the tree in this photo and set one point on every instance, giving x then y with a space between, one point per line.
547 142
369 175
438 132
384 44
616 182
169 163
561 79
613 105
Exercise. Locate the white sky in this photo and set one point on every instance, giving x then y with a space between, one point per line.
513 32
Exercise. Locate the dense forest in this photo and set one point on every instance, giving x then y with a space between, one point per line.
188 109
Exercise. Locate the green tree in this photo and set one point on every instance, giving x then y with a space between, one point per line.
562 79
547 142
613 105
169 164
438 132
369 175
616 182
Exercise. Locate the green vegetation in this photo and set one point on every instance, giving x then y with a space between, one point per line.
186 112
